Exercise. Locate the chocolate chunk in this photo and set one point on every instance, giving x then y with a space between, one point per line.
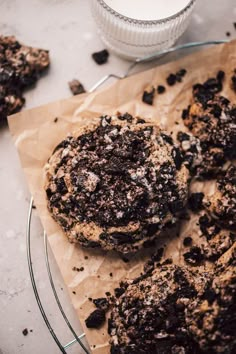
171 79
101 303
233 82
177 157
161 89
101 57
76 87
187 241
119 291
181 72
194 256
95 319
220 75
25 332
181 136
148 95
195 201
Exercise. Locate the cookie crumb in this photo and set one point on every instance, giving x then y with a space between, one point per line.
228 34
195 201
194 256
55 120
101 303
25 331
171 79
148 95
161 89
95 319
101 57
76 87
74 292
187 241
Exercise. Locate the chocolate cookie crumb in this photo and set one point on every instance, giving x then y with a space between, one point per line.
171 79
161 89
90 299
108 293
195 201
101 303
25 331
101 57
111 275
74 292
233 82
234 25
148 95
76 87
194 256
228 34
187 241
55 120
95 319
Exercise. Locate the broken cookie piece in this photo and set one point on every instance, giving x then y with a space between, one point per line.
20 67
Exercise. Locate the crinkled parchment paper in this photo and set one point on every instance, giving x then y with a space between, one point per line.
36 134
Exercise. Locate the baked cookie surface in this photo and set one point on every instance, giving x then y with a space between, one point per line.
116 184
222 204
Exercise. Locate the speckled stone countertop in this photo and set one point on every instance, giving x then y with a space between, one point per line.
66 28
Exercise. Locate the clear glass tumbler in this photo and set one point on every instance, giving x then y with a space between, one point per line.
132 38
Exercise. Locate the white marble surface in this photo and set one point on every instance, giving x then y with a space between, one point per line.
67 29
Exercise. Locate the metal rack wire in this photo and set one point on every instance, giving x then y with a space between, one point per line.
79 338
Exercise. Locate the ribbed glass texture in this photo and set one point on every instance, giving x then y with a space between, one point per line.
136 38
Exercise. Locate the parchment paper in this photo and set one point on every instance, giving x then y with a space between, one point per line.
36 134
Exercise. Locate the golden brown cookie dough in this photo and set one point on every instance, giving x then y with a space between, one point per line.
116 184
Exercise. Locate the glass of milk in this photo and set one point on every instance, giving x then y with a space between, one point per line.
136 28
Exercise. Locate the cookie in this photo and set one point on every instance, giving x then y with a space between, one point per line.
116 184
211 317
211 118
149 317
20 67
222 204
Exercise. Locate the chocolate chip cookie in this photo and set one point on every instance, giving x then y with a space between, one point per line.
149 317
20 67
116 184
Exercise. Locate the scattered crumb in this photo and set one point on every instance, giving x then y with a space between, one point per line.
55 120
101 57
228 34
76 87
161 89
187 241
25 332
108 293
90 299
74 292
95 319
85 257
194 256
148 95
111 275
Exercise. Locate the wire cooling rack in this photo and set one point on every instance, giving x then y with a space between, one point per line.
80 338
